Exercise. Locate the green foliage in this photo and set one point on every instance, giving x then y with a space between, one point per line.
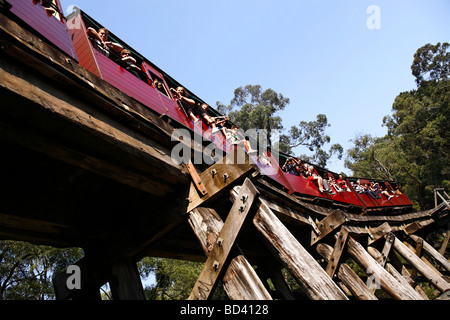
253 108
415 152
26 270
174 279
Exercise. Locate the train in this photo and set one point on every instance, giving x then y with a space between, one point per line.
153 87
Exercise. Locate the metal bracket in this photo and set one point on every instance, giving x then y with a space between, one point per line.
196 178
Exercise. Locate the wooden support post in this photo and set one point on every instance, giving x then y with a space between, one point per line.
350 279
425 270
327 225
379 274
214 265
88 289
379 232
333 262
386 249
433 252
242 283
125 282
313 280
207 225
445 242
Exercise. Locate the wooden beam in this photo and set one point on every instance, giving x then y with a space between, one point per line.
242 283
433 252
339 247
379 274
313 280
425 270
206 224
218 178
386 249
125 282
217 259
379 232
327 225
350 279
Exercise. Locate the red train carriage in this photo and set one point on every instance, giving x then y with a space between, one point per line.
45 17
49 21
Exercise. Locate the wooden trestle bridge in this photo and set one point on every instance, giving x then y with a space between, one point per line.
83 165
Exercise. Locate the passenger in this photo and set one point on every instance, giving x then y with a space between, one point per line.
371 191
332 183
100 41
382 191
397 191
233 135
128 63
314 176
159 86
248 146
216 123
341 183
48 5
358 187
292 166
189 104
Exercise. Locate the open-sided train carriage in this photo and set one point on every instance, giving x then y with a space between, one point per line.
250 214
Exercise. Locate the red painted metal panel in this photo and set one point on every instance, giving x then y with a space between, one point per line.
303 185
52 29
82 44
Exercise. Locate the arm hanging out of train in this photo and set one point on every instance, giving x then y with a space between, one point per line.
314 176
129 63
187 103
100 41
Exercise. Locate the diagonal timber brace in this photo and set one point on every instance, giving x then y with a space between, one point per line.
207 281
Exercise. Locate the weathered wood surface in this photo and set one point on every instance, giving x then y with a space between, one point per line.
387 282
327 225
312 279
350 279
125 281
206 225
242 283
433 253
421 266
215 263
218 177
335 257
405 280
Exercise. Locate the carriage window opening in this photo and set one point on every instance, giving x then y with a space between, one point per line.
51 7
158 83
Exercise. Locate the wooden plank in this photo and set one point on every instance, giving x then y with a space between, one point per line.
386 249
350 279
327 225
242 283
206 225
215 263
433 252
425 270
354 283
339 247
125 282
217 178
313 280
379 232
375 270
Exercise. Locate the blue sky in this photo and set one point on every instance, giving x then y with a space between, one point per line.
320 54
